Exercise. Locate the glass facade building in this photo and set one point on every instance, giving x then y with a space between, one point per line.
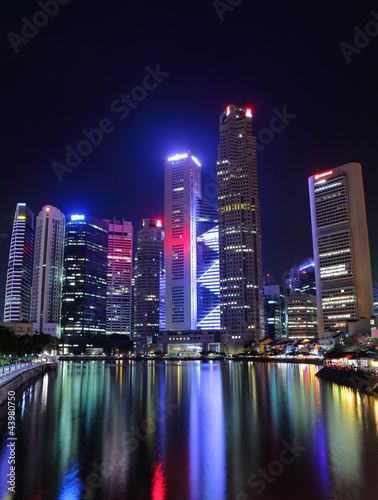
274 312
20 267
119 277
85 277
149 278
208 309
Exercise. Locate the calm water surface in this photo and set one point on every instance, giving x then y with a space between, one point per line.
191 430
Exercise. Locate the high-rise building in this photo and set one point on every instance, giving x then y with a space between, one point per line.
344 288
375 297
85 276
301 313
48 271
274 312
119 276
182 189
149 274
208 309
20 267
301 279
241 279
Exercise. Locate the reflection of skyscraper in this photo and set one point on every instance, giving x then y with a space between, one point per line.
181 193
20 266
149 271
341 246
241 286
208 310
119 274
85 276
48 270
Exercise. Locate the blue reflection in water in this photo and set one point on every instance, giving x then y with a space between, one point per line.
71 485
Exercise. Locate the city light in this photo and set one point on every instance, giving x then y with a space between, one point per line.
324 174
158 223
77 217
196 161
248 113
178 157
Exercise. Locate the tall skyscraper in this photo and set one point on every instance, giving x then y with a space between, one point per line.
20 266
301 279
182 189
119 275
85 276
48 271
208 310
149 274
274 312
241 281
344 289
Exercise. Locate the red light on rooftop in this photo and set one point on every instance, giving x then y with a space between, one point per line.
47 209
248 112
324 174
158 223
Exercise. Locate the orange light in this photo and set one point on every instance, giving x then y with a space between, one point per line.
324 174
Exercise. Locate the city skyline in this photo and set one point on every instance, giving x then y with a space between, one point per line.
327 107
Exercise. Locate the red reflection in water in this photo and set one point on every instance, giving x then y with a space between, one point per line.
158 482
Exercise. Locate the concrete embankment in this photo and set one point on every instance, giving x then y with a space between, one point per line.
355 379
18 378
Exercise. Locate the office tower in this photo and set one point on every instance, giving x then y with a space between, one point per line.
344 288
208 309
149 272
182 189
20 266
301 314
375 298
301 279
274 312
119 275
48 271
241 281
85 276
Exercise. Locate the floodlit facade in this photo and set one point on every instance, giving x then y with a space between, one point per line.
341 246
301 314
48 271
240 260
182 190
208 309
85 276
20 267
149 279
119 276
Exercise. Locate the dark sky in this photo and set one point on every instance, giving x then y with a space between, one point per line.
267 55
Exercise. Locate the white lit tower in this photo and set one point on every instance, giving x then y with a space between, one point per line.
20 266
344 289
48 271
240 260
182 190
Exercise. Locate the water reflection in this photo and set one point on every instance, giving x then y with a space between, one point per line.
192 430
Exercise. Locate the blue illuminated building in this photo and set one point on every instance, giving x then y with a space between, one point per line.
208 309
85 277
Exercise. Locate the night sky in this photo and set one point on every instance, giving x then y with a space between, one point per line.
266 55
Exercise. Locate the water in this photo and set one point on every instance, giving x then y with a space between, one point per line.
191 430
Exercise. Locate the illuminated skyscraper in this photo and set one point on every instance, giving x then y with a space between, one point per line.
208 310
344 288
302 322
181 193
149 279
241 282
48 271
20 266
119 275
85 276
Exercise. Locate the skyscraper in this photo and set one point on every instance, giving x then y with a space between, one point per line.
182 189
85 276
274 311
149 275
344 289
48 271
208 310
20 266
241 283
302 322
119 275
